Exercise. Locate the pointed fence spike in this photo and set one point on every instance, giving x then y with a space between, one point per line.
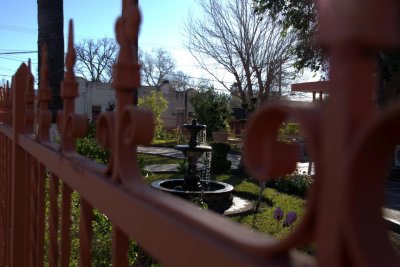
70 125
69 88
71 55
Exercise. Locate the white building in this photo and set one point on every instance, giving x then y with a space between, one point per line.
96 97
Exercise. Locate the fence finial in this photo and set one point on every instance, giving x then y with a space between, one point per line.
29 99
126 70
8 104
70 125
71 55
121 131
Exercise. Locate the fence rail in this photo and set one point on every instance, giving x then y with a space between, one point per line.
342 217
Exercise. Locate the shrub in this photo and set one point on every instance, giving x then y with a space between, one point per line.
294 184
156 103
212 109
178 135
182 166
88 147
219 161
91 131
163 135
287 131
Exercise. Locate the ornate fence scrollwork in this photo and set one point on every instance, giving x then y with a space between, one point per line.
268 159
121 131
349 141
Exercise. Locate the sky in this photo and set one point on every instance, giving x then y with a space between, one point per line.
162 27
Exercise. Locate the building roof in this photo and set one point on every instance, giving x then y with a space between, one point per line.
311 87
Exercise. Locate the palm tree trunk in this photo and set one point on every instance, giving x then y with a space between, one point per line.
51 33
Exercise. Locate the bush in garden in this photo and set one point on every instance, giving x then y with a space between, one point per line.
288 131
212 109
219 161
88 147
102 228
91 131
178 135
294 184
163 135
182 166
156 103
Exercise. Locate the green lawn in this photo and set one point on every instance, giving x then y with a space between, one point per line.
262 221
165 143
155 159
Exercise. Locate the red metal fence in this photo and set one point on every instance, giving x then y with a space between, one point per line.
343 216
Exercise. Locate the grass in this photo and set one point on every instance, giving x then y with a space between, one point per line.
165 143
155 159
270 198
263 221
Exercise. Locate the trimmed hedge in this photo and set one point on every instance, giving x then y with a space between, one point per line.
219 162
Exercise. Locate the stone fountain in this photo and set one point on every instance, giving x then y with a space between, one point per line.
217 195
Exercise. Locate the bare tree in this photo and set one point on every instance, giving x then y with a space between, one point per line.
95 59
157 66
181 81
249 47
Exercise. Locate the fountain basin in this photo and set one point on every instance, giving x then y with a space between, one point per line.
217 195
196 151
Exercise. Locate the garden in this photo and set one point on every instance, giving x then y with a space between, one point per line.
278 206
271 201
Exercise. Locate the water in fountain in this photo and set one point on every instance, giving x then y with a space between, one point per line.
205 159
206 172
202 137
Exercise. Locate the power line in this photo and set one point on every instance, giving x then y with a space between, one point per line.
14 50
4 68
18 52
17 29
35 31
13 59
18 59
